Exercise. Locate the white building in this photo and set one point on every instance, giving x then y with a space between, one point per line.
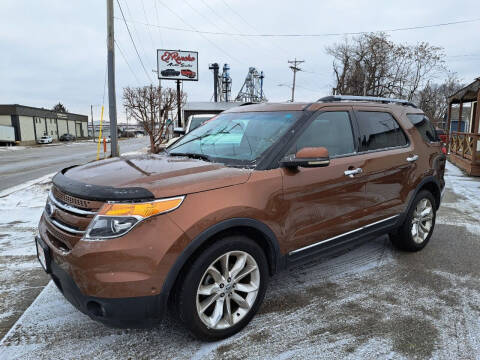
31 123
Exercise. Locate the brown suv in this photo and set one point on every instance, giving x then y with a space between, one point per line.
250 192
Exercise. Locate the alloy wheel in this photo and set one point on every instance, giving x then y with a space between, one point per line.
227 290
422 221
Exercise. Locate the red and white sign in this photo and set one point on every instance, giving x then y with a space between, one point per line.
177 65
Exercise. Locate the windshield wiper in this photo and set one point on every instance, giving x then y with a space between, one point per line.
193 156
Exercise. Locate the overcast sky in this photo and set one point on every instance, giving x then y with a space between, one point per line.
55 50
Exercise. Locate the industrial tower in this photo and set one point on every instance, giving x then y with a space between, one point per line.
252 88
222 83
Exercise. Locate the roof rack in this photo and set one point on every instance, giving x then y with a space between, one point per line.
366 98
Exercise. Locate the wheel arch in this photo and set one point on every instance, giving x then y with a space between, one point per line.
254 229
430 184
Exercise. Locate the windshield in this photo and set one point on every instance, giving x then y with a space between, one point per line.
236 138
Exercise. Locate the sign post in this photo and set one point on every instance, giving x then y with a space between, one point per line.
177 65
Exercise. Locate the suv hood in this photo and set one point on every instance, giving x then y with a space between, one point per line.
164 176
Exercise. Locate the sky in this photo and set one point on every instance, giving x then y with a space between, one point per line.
55 50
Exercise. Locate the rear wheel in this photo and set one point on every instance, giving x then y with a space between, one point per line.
418 226
223 288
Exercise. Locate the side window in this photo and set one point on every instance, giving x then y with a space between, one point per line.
379 130
331 130
424 127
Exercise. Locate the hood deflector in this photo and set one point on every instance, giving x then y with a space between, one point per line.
99 192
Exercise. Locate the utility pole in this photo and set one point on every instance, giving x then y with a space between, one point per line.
112 101
93 129
295 68
179 105
159 97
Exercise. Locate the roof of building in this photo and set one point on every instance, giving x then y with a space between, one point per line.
16 109
467 94
210 106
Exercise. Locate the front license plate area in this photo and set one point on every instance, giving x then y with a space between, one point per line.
42 255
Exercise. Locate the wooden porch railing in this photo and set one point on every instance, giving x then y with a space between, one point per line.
465 146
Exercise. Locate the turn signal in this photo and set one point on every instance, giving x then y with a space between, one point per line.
143 210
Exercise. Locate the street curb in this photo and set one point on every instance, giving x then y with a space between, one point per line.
25 185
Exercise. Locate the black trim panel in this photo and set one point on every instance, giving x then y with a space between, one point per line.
343 242
275 259
97 192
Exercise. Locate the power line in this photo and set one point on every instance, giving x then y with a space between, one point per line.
158 22
245 42
133 42
146 19
125 59
240 40
299 35
270 43
135 30
198 32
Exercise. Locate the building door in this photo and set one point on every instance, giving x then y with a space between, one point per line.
79 130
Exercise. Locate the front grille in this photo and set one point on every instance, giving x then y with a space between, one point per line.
76 202
66 218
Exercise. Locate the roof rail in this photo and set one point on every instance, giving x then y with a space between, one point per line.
332 98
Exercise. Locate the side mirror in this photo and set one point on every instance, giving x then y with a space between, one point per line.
307 157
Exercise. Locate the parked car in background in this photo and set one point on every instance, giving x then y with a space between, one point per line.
193 122
441 135
46 139
188 73
170 72
67 137
258 189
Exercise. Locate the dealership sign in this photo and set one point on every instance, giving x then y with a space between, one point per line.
177 65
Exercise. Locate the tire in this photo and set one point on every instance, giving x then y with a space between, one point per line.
416 230
206 282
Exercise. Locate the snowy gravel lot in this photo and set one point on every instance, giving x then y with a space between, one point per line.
371 302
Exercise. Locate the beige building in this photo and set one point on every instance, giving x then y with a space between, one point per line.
31 123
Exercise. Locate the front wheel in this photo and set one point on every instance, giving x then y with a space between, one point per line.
418 226
223 288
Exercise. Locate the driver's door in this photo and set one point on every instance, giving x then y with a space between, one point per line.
324 202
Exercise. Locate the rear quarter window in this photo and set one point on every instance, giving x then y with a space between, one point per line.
424 127
379 130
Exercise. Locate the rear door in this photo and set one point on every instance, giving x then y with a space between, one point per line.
322 203
389 165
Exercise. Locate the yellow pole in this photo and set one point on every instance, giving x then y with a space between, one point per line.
99 135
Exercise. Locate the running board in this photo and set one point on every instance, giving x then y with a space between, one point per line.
337 242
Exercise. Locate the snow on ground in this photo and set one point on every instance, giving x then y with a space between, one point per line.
462 206
12 148
21 278
371 302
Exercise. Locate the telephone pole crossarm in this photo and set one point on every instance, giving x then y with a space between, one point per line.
295 68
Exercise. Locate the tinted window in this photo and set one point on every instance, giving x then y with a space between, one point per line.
424 127
378 130
331 130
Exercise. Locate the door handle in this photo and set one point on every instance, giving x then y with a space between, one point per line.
412 158
351 173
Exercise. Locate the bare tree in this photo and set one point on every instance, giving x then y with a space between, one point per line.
150 107
433 98
371 64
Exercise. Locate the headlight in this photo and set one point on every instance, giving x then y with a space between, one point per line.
116 219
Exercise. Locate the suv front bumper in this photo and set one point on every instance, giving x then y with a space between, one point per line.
132 312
